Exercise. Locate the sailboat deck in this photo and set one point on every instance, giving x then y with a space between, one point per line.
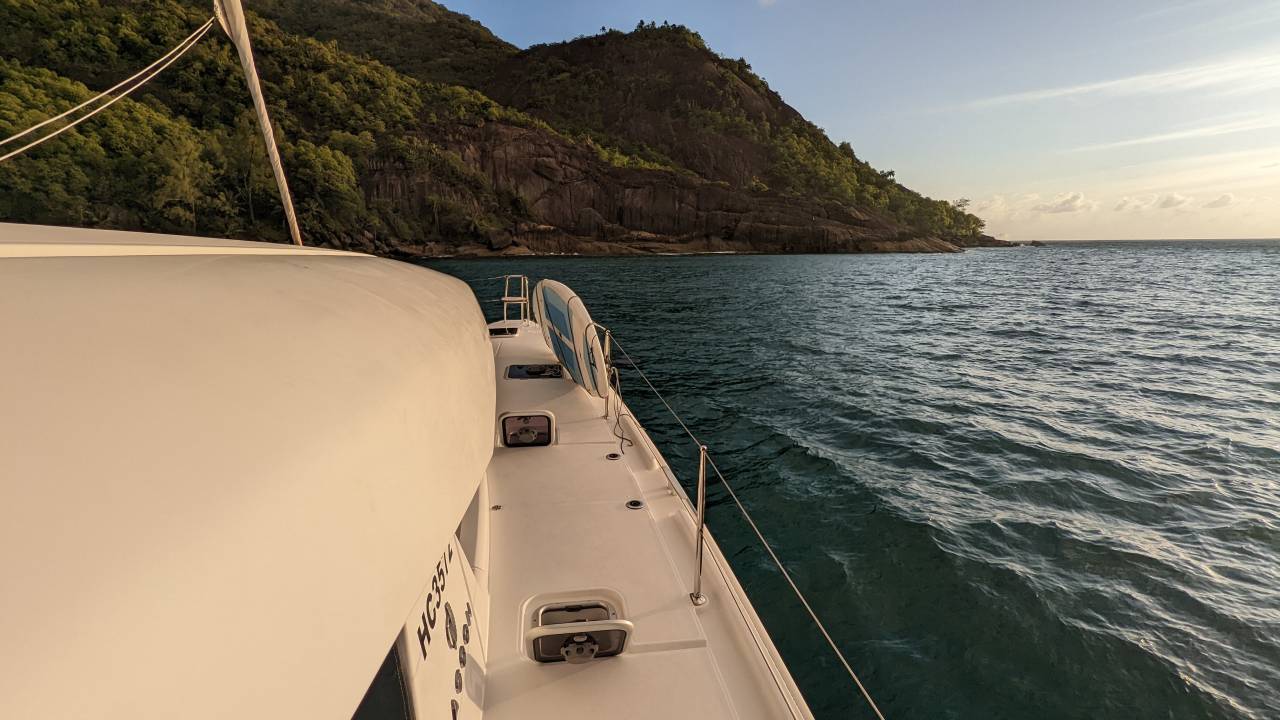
560 524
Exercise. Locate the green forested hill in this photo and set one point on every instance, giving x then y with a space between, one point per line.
660 92
183 154
420 39
392 142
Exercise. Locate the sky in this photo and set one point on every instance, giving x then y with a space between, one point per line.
1115 119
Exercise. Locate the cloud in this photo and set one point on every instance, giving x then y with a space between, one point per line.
1254 122
1135 204
993 204
1173 200
1223 200
767 3
1003 206
1010 206
1072 202
1231 74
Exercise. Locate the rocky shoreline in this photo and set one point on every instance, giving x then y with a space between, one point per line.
576 204
558 245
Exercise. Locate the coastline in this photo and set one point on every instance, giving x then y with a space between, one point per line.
483 253
561 245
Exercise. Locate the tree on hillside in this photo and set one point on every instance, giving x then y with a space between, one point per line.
181 185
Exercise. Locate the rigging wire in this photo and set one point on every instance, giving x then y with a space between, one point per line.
110 90
799 595
756 529
150 72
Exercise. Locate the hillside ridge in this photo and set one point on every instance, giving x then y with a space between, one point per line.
463 146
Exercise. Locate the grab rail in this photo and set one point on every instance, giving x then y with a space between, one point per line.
696 596
520 300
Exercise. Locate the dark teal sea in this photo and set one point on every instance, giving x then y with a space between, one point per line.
1018 483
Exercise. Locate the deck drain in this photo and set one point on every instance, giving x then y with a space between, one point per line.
635 504
612 456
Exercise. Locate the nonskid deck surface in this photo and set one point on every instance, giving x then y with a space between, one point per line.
564 526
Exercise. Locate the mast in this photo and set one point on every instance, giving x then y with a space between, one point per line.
231 16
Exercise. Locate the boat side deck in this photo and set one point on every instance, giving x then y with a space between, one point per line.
560 524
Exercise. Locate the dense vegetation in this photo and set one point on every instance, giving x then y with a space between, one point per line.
420 39
138 167
387 86
183 154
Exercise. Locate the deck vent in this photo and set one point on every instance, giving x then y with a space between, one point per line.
534 372
577 632
503 331
526 430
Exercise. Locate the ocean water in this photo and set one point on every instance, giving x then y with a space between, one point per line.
1017 483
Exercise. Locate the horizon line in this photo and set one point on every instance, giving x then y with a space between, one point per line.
1154 239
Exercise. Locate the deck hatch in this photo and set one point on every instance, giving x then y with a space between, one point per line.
577 632
526 430
534 372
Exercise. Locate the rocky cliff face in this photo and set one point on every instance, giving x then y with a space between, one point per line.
575 203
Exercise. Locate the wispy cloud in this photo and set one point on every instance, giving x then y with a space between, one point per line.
1071 202
1247 124
1214 17
1243 172
1233 75
1233 171
1173 9
1223 200
1173 200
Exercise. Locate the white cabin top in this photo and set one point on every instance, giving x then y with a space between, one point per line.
51 241
224 467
